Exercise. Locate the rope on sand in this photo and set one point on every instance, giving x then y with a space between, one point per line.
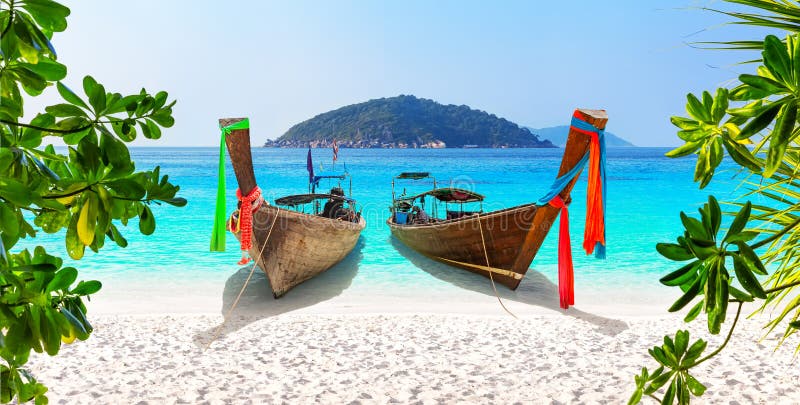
486 255
249 276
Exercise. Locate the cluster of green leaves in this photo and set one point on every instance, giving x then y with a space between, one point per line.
707 274
89 192
765 115
675 358
771 95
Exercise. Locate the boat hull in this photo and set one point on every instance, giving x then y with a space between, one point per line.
299 246
510 239
500 244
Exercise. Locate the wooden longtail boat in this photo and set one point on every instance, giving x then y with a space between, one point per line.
299 245
511 236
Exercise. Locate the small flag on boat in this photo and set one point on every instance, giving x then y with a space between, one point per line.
335 150
310 166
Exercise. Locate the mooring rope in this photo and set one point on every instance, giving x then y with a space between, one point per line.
249 276
486 255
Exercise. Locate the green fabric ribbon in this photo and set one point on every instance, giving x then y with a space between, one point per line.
220 215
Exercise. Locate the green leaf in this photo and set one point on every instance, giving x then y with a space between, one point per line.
715 214
692 314
75 247
715 153
739 221
51 16
127 188
674 252
147 224
681 343
97 98
87 287
762 83
688 296
739 294
63 279
66 110
14 191
696 109
681 275
685 123
177 202
745 92
9 220
741 155
743 236
776 58
751 258
87 220
70 96
764 118
48 69
694 386
720 105
694 227
687 149
116 236
659 382
746 278
669 396
780 137
694 352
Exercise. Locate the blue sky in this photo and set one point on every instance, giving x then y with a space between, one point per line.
280 63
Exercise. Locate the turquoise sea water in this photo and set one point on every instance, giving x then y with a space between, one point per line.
646 192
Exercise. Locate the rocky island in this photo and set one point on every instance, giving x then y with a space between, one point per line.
406 121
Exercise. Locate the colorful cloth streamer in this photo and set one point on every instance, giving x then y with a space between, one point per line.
594 237
566 278
246 220
594 234
218 232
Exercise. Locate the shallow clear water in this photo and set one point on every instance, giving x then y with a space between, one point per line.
646 192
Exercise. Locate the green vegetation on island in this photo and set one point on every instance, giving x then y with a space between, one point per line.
406 121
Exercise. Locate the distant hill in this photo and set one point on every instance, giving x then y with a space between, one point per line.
558 136
408 122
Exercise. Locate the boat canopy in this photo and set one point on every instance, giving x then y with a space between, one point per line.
448 194
413 175
300 199
330 175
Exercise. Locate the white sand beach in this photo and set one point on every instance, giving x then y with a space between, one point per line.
399 358
457 347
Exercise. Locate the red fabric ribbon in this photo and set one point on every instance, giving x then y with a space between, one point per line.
566 279
246 220
595 223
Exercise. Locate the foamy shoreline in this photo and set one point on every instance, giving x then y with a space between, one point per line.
396 358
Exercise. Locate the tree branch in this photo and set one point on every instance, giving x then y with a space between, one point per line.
53 130
655 397
730 333
782 287
78 191
777 235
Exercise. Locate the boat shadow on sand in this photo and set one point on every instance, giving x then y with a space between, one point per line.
535 289
257 302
